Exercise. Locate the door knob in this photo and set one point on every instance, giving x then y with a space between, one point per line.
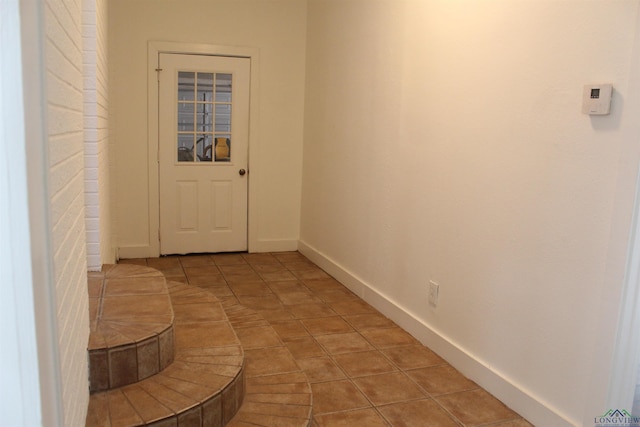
242 172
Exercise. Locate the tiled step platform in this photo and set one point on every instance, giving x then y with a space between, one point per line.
131 325
202 383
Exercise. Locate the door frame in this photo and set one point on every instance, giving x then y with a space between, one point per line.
155 48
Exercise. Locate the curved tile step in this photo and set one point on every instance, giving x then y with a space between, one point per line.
205 384
277 391
131 336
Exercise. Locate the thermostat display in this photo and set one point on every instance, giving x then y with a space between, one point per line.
596 99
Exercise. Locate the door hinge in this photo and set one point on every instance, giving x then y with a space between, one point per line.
158 73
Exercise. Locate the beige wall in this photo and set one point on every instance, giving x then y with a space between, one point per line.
277 30
64 109
444 141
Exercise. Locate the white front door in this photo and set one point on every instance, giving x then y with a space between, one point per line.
203 153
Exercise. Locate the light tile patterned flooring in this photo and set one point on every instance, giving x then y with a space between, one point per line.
364 370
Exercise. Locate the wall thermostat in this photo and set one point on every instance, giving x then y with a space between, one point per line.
596 99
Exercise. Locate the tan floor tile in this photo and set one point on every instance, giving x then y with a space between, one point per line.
173 271
310 311
134 306
286 383
134 286
258 337
204 334
369 321
98 410
441 379
290 257
111 271
134 261
311 274
269 268
198 312
146 406
356 306
281 398
304 347
388 337
334 295
344 343
276 276
122 413
275 315
267 361
256 419
193 390
389 388
218 290
361 417
335 396
327 325
213 280
242 277
250 288
417 413
287 286
325 284
296 298
262 302
206 375
320 369
167 396
276 409
364 363
178 278
164 263
201 270
260 258
195 260
476 407
231 269
288 329
412 356
305 265
228 259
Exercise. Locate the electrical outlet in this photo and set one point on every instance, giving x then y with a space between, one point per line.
434 290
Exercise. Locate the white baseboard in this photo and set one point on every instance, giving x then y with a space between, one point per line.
532 408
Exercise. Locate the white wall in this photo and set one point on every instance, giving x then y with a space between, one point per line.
29 389
277 29
444 141
64 109
100 249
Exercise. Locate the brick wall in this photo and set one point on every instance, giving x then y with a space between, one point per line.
98 212
64 80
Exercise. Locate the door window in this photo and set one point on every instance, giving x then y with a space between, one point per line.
204 117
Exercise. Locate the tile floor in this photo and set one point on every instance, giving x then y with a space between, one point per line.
364 370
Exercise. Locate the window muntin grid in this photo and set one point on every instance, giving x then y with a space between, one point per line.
204 117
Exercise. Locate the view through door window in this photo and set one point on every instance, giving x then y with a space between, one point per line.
204 117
